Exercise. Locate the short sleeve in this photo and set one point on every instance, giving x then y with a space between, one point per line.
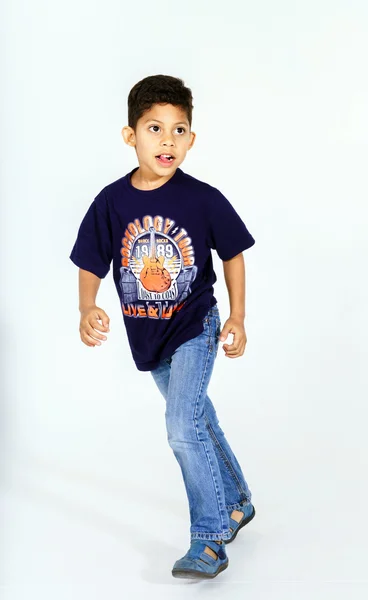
92 250
227 234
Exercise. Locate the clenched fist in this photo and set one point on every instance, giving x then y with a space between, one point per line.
89 325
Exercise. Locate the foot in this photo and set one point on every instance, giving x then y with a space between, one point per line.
209 551
194 563
237 516
241 518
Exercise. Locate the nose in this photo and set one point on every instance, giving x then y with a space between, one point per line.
167 141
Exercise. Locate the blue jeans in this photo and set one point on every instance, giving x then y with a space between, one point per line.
212 476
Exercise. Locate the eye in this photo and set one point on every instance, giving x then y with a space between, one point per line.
182 128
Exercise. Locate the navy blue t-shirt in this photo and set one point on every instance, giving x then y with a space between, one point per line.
160 243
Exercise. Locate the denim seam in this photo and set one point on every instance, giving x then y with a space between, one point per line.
211 324
225 459
204 441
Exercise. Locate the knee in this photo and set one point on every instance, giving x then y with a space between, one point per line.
184 428
176 427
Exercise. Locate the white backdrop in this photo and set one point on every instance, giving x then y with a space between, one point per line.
93 502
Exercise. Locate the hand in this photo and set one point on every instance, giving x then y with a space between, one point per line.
89 325
235 326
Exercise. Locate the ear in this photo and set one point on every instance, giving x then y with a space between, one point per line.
128 135
192 139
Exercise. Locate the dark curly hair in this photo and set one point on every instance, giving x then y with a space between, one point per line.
155 89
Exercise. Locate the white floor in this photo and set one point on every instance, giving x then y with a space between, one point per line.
72 534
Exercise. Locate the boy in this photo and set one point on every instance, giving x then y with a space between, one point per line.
158 225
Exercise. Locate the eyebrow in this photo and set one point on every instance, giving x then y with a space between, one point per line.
177 122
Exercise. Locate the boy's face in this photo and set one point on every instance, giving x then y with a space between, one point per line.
163 129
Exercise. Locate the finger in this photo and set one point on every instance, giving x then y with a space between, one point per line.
91 329
89 340
94 335
234 345
104 318
236 352
231 347
96 325
238 341
85 342
232 352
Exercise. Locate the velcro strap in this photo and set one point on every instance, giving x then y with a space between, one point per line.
234 524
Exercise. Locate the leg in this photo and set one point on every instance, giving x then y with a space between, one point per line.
236 488
161 376
191 370
185 390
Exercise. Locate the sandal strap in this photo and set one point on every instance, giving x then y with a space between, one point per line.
212 544
234 524
197 547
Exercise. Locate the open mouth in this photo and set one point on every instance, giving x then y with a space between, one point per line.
165 158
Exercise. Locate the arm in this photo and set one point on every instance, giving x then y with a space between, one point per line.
88 288
234 272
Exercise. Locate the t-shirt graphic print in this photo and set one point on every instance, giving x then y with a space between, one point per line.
157 267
